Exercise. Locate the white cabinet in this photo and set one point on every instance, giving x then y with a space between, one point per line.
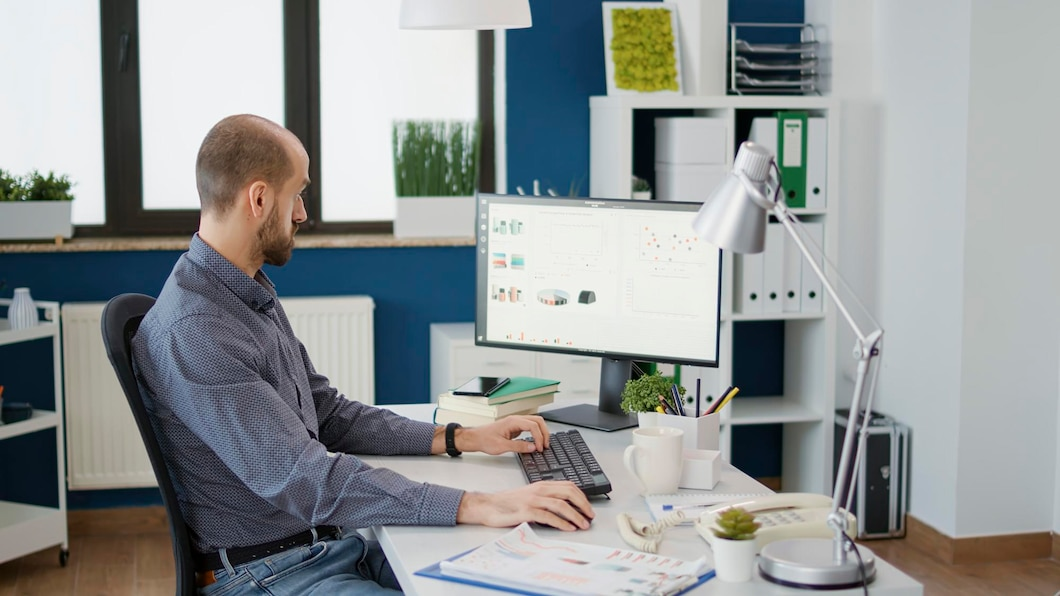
455 358
807 403
28 528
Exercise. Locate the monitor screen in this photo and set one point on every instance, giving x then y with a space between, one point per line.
619 279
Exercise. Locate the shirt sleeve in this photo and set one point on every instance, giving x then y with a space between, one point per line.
202 372
350 426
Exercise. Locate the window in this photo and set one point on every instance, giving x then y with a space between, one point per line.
334 72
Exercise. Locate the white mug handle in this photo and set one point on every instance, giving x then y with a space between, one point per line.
627 458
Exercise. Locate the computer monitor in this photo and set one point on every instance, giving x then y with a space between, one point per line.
619 279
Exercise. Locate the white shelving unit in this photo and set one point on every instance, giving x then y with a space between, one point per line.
27 528
806 408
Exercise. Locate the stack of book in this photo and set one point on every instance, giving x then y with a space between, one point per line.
522 395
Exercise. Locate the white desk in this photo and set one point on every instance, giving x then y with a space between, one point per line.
411 548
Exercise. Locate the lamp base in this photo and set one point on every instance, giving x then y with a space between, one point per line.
809 563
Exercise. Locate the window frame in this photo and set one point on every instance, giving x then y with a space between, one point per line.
122 158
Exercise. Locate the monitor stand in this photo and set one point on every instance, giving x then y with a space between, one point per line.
608 415
590 416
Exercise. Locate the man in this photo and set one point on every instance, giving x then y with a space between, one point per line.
256 440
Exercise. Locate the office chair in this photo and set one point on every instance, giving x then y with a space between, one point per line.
121 319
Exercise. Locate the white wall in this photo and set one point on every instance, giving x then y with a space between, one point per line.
966 289
1011 277
922 76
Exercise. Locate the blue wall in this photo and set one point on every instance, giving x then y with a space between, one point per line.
552 69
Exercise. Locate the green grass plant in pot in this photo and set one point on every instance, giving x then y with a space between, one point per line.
734 544
436 169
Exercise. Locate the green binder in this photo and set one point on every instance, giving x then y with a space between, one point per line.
791 156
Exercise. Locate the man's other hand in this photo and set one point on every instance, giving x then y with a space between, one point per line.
499 437
559 504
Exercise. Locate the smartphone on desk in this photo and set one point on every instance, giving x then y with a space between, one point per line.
484 386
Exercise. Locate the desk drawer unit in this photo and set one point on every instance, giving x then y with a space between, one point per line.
881 494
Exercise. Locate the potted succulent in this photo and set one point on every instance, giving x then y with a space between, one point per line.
641 395
436 166
641 190
35 206
734 544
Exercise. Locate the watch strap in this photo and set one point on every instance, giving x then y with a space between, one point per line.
450 439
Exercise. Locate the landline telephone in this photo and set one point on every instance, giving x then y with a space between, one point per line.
783 515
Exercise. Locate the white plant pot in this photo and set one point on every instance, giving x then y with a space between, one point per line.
35 220
647 419
434 217
734 560
641 195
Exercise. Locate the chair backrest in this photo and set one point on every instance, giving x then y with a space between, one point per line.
121 319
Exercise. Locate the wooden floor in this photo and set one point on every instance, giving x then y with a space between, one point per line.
143 564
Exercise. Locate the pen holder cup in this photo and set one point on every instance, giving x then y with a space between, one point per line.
700 469
700 433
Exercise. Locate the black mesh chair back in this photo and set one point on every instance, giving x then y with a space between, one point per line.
121 319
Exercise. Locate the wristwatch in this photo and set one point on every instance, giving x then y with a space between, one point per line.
450 439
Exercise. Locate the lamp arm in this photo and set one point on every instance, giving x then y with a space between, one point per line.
866 351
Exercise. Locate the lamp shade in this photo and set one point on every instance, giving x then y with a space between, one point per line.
734 216
464 14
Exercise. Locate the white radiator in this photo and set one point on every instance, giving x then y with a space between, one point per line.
103 446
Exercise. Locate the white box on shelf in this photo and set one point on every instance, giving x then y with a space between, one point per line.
690 140
687 182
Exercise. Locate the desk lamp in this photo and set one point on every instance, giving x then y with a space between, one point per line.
465 14
734 218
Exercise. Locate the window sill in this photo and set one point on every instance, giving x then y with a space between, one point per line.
181 243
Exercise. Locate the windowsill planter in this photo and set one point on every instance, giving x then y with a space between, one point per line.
35 220
434 217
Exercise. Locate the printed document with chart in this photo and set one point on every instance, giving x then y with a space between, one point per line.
521 561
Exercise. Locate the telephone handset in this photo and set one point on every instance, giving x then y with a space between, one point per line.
783 515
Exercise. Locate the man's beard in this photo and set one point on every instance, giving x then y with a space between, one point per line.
274 245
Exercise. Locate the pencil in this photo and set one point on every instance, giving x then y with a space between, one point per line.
727 399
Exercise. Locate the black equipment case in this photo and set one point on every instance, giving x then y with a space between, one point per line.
881 493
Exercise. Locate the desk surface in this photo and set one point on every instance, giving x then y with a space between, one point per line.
410 548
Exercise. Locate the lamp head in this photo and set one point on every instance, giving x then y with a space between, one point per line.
464 14
734 216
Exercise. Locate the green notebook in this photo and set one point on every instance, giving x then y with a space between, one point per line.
517 388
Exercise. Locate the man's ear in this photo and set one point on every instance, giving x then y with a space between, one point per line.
257 197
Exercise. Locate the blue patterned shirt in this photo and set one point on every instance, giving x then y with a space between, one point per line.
257 442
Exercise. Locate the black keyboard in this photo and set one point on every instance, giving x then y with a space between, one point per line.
567 458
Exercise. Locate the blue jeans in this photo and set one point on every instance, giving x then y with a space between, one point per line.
346 565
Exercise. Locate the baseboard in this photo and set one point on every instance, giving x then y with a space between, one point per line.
980 549
121 521
1056 546
771 482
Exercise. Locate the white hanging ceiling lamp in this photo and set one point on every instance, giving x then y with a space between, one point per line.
464 14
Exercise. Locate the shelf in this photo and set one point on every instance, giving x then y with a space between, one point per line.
48 326
774 316
28 528
40 420
769 410
692 102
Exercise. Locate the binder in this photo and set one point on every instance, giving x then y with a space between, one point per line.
749 276
793 262
812 299
816 163
791 156
773 269
709 385
764 133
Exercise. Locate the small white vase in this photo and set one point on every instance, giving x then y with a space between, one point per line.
647 419
734 560
23 312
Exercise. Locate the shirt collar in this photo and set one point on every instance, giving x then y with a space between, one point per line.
258 296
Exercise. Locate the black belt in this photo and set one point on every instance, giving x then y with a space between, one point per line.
245 554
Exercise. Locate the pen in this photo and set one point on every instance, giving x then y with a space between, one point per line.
677 400
697 397
665 405
727 399
714 406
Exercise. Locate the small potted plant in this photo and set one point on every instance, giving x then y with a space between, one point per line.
436 168
734 544
641 395
641 190
35 206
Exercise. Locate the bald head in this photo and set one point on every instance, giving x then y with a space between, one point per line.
237 151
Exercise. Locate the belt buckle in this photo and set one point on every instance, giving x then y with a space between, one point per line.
204 578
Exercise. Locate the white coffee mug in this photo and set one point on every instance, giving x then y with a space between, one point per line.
655 458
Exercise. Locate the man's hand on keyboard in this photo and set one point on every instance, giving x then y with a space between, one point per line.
558 504
499 437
